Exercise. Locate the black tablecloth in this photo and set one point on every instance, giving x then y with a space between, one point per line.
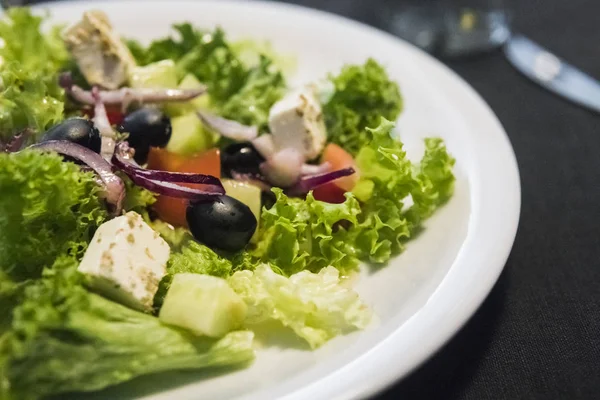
537 336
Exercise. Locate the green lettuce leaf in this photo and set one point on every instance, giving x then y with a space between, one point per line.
434 181
388 180
30 96
185 40
297 234
207 55
47 208
317 307
251 104
137 198
239 91
24 42
10 292
28 100
362 95
67 339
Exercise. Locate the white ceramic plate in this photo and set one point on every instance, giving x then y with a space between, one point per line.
424 296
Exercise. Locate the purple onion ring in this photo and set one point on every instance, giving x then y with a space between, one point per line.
228 128
113 185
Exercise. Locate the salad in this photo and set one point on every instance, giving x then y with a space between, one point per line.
159 204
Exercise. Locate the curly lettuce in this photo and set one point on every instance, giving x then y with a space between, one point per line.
316 306
137 198
65 339
47 208
251 104
386 208
28 100
24 42
30 97
240 91
362 95
10 292
388 180
434 181
297 234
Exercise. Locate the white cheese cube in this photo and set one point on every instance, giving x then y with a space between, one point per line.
296 121
126 261
101 55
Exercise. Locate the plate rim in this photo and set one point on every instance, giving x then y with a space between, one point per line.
358 386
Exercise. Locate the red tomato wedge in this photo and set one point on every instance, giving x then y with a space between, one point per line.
170 209
338 158
114 114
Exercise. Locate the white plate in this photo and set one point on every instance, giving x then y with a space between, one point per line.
424 296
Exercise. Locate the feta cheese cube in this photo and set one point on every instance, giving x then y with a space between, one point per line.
99 52
126 261
296 121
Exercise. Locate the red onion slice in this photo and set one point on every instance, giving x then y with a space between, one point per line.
122 160
265 145
309 169
283 168
228 128
126 96
308 183
172 189
114 187
102 123
65 80
16 142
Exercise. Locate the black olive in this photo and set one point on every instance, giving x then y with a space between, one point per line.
146 127
76 130
242 158
223 223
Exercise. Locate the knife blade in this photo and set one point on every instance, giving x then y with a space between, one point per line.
552 73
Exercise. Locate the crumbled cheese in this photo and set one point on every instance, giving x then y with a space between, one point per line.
99 52
296 121
126 261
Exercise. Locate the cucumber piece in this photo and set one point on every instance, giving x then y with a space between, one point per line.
161 74
244 192
181 108
203 304
190 82
188 136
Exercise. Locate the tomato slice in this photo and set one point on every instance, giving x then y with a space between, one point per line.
329 193
338 158
114 114
173 210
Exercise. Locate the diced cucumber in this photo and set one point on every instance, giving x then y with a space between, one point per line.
244 192
180 108
190 82
203 304
188 135
161 74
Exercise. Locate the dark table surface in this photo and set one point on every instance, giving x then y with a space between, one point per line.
537 336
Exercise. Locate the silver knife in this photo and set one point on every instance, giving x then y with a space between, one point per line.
553 73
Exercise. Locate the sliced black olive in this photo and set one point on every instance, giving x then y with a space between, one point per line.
223 223
76 130
146 127
241 158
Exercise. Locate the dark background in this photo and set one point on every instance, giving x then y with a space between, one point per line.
537 336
